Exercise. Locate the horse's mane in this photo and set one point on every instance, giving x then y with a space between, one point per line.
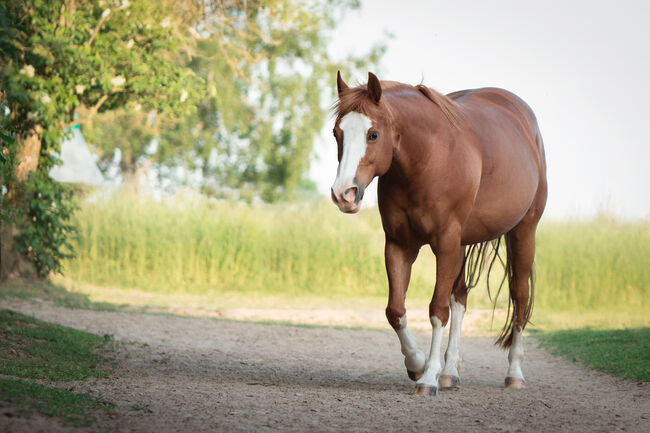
448 106
357 99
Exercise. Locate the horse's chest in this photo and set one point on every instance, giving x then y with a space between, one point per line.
413 225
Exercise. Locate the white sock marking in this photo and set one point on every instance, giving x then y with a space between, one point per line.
452 356
355 128
516 355
433 365
413 357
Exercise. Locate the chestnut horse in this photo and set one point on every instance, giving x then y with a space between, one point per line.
455 173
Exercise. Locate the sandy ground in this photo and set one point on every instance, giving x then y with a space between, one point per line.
199 375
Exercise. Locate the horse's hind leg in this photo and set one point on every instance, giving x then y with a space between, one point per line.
521 246
450 375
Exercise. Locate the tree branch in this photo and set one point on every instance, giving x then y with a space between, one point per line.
105 15
88 115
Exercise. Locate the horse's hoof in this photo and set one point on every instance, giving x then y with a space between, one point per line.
515 383
449 382
429 390
414 376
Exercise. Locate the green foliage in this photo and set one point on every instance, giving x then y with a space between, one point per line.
126 130
268 81
235 88
624 353
30 348
73 409
81 54
8 140
46 230
8 150
60 63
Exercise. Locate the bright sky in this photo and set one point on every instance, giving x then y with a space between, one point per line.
583 66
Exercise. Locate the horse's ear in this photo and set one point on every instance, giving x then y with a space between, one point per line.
340 84
374 87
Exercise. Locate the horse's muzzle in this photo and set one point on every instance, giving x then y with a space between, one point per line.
348 198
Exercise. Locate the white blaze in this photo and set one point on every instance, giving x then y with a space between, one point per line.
355 128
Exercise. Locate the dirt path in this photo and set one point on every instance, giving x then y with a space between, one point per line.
199 375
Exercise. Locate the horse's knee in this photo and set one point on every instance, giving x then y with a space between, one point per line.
440 310
394 313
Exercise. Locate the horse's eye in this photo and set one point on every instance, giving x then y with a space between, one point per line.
373 135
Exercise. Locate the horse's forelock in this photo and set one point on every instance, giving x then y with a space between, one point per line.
357 99
352 99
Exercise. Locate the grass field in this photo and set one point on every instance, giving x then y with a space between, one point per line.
34 350
589 273
623 352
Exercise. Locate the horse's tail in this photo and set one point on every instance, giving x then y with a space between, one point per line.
477 257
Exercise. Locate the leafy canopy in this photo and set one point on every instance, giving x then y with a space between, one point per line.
267 78
62 61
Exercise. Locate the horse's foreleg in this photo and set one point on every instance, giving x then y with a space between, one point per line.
450 376
447 252
398 267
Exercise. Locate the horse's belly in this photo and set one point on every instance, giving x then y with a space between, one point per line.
481 228
500 207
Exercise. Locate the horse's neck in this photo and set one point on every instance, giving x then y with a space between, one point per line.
416 148
425 142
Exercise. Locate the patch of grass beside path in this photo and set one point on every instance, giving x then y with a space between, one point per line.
621 352
32 349
74 409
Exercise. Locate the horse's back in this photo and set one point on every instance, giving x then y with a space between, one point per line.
513 180
480 102
497 97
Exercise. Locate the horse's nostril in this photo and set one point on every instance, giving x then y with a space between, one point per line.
351 190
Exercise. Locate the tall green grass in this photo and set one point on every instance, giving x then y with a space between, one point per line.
591 265
197 246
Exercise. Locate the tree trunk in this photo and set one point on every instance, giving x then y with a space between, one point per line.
14 265
28 154
132 175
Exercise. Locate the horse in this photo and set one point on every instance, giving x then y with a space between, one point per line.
461 173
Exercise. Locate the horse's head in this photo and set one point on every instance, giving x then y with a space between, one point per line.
365 138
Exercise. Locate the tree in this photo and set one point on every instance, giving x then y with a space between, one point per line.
267 74
61 62
236 88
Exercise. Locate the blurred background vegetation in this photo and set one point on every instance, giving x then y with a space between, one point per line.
589 272
218 104
232 93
